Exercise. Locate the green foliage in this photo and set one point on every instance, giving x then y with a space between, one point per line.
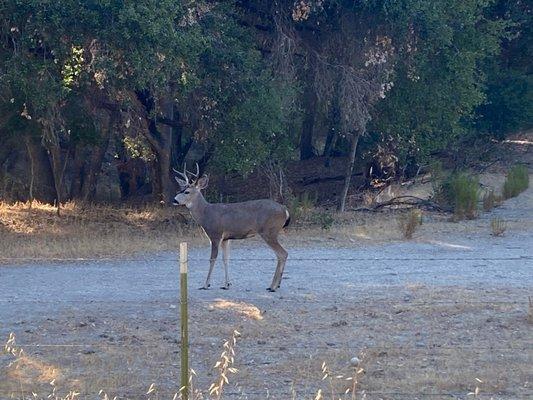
55 53
323 219
300 207
516 181
138 148
438 82
509 104
65 63
253 130
461 192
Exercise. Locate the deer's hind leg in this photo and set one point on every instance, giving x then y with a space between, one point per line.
281 254
215 243
225 255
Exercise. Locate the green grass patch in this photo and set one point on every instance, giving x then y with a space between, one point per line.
516 182
460 191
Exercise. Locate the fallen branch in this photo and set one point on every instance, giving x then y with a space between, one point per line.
412 201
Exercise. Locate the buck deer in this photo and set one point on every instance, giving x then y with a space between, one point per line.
225 222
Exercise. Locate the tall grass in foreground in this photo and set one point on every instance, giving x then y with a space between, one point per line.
339 386
516 181
460 191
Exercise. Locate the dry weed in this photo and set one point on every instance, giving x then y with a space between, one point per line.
498 226
530 311
341 385
89 231
224 367
489 200
409 222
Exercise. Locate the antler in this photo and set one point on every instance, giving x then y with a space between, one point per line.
185 172
197 175
182 174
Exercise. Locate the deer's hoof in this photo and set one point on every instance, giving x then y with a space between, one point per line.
204 287
270 290
226 286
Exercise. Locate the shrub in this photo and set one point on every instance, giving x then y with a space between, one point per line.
517 181
460 191
407 223
324 219
301 206
498 226
489 200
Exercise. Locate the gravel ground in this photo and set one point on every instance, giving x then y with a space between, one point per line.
431 315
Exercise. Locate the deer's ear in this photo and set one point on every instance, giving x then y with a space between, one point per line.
181 182
202 182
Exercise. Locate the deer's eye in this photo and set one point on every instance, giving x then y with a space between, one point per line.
187 192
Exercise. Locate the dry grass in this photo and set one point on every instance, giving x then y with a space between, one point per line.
423 345
107 231
490 200
409 222
498 226
88 232
530 311
242 308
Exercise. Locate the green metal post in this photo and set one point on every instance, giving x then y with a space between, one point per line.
184 323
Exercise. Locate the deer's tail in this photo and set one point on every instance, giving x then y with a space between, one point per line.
288 221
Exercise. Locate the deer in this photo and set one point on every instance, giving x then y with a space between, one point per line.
223 222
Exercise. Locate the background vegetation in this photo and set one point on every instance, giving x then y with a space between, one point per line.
100 99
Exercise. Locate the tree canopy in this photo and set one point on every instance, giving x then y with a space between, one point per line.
129 90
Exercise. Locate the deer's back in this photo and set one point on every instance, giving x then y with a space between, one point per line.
245 219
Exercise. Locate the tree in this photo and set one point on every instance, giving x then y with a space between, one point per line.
170 73
438 81
509 103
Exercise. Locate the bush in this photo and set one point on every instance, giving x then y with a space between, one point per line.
460 191
324 219
498 226
407 223
489 200
517 181
301 206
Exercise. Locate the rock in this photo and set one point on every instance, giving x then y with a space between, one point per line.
339 323
355 361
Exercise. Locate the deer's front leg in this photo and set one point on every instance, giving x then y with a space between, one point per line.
225 256
215 243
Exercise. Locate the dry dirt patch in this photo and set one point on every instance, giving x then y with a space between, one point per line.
416 341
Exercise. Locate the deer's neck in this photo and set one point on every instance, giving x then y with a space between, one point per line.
198 208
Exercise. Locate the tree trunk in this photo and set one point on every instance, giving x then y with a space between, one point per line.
78 169
333 134
159 135
331 142
43 181
306 138
166 152
54 154
90 178
349 170
27 141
